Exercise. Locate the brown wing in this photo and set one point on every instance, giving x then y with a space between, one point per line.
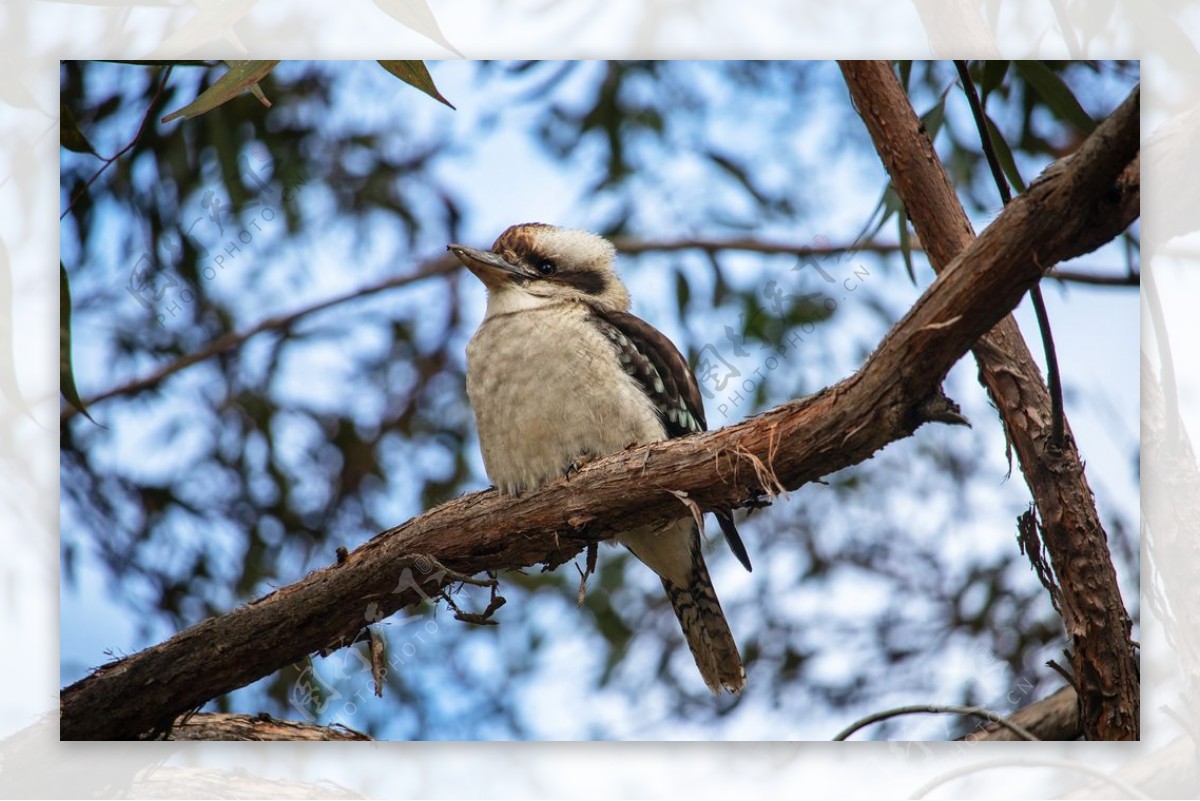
652 360
660 370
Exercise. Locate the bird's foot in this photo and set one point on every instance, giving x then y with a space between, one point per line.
578 464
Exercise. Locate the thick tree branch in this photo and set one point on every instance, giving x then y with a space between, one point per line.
1094 615
226 726
1054 378
778 450
234 340
1055 717
1012 727
634 246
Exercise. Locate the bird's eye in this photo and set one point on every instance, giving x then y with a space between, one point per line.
546 266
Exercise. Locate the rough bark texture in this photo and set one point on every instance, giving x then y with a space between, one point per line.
779 450
1055 717
226 726
1104 662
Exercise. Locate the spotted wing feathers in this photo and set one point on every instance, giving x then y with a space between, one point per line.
664 375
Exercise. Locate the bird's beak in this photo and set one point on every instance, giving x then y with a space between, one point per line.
487 266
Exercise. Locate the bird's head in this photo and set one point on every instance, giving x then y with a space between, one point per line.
533 264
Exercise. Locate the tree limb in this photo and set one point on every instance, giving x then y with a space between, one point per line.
279 322
226 726
444 265
1055 717
740 465
1093 612
1095 278
1011 726
108 162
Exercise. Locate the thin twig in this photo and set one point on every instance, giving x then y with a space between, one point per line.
1035 293
109 161
1053 378
939 709
235 339
487 531
1062 671
1132 278
634 246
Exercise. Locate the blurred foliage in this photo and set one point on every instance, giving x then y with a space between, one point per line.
242 472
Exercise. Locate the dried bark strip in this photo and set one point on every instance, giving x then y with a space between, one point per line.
797 442
1103 660
258 728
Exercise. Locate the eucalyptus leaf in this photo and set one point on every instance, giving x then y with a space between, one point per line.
1057 95
69 134
243 76
415 74
66 374
993 73
1004 155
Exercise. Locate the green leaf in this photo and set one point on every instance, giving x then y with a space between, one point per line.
721 290
66 375
906 245
740 174
242 76
889 203
935 117
69 134
905 69
992 75
1004 155
416 74
682 292
1057 95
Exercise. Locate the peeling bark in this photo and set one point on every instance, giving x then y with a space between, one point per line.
740 465
1103 659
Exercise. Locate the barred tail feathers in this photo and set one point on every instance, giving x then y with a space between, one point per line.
705 628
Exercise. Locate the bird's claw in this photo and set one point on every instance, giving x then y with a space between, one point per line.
578 464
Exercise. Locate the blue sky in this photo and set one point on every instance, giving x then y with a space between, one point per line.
506 179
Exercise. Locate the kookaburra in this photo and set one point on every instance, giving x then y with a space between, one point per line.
560 372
